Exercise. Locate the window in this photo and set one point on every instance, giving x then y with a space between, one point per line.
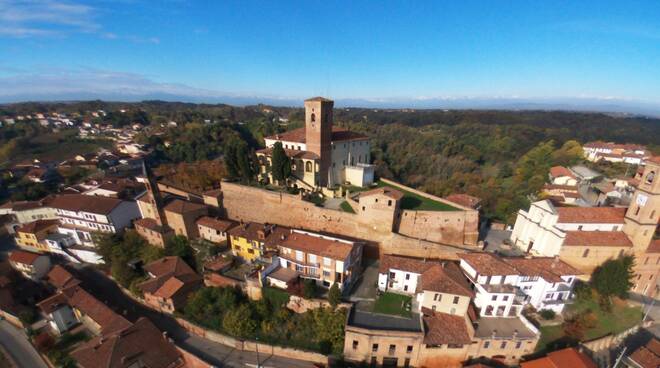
308 166
392 275
374 348
300 256
580 228
505 298
493 298
355 344
406 363
437 297
486 344
389 202
405 288
518 344
503 345
433 307
327 261
409 349
376 200
408 275
586 253
652 215
312 117
392 349
456 300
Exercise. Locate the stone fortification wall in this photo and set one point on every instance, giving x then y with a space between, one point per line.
246 203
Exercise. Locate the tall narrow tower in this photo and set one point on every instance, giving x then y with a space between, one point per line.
642 216
318 133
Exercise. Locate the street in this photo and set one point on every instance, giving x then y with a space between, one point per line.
219 355
20 349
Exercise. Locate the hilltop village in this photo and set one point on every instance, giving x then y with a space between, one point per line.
323 262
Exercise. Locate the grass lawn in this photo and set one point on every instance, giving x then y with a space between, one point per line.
390 303
619 319
276 296
412 201
346 207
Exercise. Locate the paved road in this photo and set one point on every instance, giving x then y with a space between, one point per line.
220 355
20 349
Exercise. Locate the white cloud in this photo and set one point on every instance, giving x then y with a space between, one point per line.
45 18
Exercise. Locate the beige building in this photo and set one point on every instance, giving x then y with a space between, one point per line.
171 281
181 216
322 155
213 229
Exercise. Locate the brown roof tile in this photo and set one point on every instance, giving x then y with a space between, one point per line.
488 264
171 274
215 223
298 135
85 203
654 246
255 230
440 276
386 191
558 171
320 246
465 200
61 278
597 239
140 343
23 257
550 269
180 206
647 356
443 328
37 226
591 215
568 357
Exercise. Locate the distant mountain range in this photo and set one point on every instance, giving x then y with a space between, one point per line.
619 106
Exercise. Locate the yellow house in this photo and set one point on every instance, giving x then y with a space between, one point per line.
253 240
31 235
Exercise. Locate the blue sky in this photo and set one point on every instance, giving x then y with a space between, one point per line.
373 51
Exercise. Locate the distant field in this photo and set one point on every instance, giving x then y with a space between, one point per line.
58 146
412 201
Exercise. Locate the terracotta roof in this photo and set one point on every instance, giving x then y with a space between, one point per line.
140 343
647 356
179 206
443 328
572 188
591 215
151 224
53 303
37 226
251 231
215 223
386 191
439 276
299 135
550 269
558 171
171 274
654 159
318 245
85 203
465 200
61 278
488 264
597 239
568 357
284 274
292 153
23 257
218 264
22 205
78 298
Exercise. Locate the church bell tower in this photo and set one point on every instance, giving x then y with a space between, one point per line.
642 216
318 134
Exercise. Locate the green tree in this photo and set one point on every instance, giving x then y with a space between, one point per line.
281 164
570 153
178 246
309 289
614 277
334 295
240 322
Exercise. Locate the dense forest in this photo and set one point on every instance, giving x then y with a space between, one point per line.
500 156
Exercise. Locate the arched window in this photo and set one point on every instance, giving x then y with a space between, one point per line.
585 254
312 117
308 166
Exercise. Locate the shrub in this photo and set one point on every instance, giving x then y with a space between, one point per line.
309 289
547 314
334 295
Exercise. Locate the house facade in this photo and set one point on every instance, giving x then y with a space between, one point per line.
252 240
33 266
32 236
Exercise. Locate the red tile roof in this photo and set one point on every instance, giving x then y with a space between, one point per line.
443 276
386 191
140 343
488 264
37 226
80 202
654 247
647 356
558 171
292 153
214 223
597 239
564 358
61 278
298 135
464 200
23 257
100 313
443 328
179 206
591 215
550 269
318 245
171 274
252 231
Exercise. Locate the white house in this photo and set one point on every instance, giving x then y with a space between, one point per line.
560 175
33 266
81 215
436 285
504 285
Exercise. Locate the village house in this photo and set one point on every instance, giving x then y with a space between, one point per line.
82 216
647 356
436 285
323 156
28 211
33 266
213 229
32 236
251 240
613 152
569 357
326 260
171 281
505 285
181 216
560 175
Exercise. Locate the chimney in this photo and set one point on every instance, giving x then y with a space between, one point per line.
494 333
515 333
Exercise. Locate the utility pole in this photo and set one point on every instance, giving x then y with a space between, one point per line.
258 364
